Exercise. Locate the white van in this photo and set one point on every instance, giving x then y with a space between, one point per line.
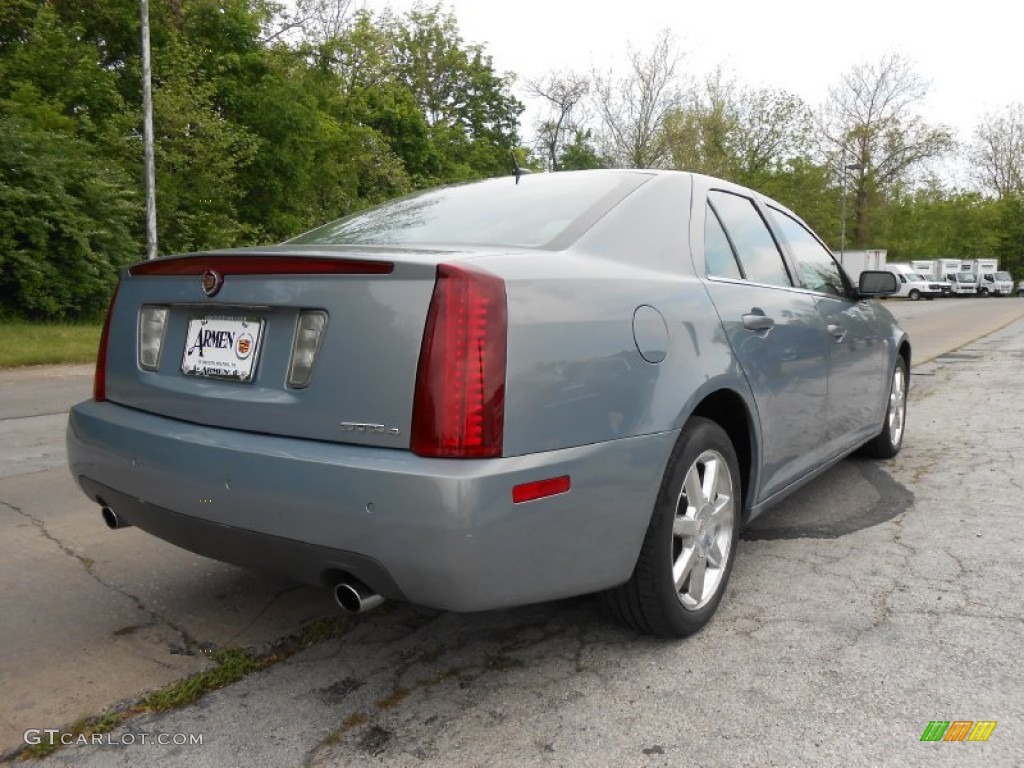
914 286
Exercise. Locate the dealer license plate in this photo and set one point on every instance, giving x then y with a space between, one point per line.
222 347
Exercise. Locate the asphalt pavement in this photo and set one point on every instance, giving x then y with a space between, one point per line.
880 598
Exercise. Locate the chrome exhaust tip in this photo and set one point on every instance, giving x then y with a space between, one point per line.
112 519
355 597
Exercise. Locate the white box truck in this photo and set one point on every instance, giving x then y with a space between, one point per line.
929 270
855 262
958 273
992 281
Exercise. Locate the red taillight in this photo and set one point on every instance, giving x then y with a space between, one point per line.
459 404
99 380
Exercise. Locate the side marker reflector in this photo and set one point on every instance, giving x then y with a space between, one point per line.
540 489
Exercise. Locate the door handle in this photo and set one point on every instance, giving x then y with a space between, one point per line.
756 320
837 331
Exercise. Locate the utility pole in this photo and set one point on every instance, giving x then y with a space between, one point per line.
147 135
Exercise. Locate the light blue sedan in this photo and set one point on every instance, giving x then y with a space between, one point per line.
493 394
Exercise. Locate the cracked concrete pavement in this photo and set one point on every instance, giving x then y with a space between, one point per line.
882 596
93 617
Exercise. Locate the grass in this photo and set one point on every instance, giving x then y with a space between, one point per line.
24 343
232 665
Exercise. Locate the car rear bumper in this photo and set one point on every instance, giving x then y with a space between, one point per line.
437 532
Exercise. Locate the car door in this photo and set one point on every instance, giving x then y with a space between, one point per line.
859 341
775 332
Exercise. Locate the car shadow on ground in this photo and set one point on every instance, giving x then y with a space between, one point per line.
857 493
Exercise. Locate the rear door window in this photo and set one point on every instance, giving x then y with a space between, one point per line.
759 256
719 258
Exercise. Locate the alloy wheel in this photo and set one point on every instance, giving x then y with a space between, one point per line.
702 530
897 412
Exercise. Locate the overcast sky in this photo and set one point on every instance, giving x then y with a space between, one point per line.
970 52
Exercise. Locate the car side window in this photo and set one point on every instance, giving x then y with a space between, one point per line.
719 258
758 255
818 269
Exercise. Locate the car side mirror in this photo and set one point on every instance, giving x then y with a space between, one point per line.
872 283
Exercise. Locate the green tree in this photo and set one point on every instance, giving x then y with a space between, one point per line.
580 154
804 185
930 223
200 157
68 209
472 115
1009 231
372 94
66 219
760 138
563 94
632 109
997 152
703 131
870 120
64 71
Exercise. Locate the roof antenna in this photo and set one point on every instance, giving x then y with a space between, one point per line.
517 170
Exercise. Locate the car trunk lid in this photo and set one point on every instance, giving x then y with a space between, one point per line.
231 323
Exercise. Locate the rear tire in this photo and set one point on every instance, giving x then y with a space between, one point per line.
688 551
889 441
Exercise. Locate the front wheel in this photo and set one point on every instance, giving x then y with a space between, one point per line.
687 553
984 293
914 294
889 441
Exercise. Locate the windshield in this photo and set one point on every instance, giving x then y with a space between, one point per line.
964 277
544 210
913 277
1004 276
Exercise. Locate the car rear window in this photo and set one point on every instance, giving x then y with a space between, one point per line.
549 210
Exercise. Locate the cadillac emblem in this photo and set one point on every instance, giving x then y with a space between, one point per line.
243 345
212 281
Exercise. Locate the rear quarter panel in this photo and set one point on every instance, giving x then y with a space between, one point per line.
576 375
